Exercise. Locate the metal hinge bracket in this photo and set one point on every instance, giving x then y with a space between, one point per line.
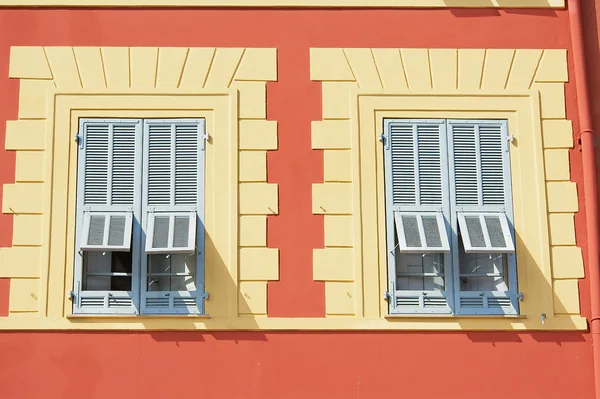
521 297
204 295
79 139
387 296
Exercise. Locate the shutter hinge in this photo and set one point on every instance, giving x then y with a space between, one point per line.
520 297
204 295
384 139
510 139
71 296
79 139
387 296
205 138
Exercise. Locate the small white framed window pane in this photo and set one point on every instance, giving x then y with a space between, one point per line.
485 233
421 232
171 232
106 231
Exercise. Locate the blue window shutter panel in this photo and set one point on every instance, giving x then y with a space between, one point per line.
484 259
417 214
108 207
173 217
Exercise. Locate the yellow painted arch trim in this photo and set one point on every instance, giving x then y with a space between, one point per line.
291 3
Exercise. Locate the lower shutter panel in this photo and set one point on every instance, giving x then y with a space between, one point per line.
104 302
473 302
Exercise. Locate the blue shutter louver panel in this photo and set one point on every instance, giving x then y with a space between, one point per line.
108 184
96 164
159 164
417 208
430 169
174 216
492 169
186 164
403 164
123 164
465 165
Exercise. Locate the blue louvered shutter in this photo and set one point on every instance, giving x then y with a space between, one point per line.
417 214
485 264
108 208
173 264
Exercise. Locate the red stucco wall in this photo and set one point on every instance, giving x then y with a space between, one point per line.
289 365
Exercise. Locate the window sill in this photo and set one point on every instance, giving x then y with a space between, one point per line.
138 317
454 317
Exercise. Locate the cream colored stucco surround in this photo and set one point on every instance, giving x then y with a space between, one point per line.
361 87
291 3
60 85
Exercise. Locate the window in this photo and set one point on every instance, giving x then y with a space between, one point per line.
450 235
140 210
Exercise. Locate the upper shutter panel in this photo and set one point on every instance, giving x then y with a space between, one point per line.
416 163
109 162
173 149
186 163
123 164
96 167
160 163
492 168
479 163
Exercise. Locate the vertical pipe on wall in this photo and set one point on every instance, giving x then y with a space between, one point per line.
586 135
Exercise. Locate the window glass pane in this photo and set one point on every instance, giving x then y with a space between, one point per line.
482 272
420 272
411 231
173 272
107 271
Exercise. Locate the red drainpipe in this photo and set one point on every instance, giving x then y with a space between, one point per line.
586 137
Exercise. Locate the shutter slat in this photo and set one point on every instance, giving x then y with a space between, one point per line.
159 164
465 165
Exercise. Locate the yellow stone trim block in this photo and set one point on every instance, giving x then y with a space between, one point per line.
253 297
258 64
337 99
339 298
28 63
30 166
28 230
252 99
258 199
339 231
32 98
329 65
20 262
338 166
253 231
259 264
562 197
253 166
23 198
26 135
332 198
333 264
258 135
566 297
562 229
24 295
557 133
331 135
552 98
288 3
567 262
553 67
556 162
